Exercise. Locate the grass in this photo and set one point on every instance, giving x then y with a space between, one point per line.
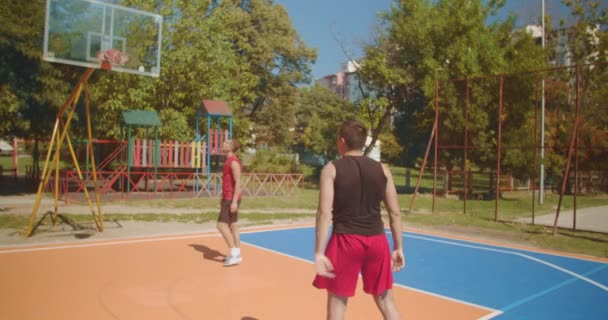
306 200
510 206
187 218
580 242
479 220
449 216
6 162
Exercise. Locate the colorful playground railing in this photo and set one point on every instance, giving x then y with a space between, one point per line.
178 154
120 185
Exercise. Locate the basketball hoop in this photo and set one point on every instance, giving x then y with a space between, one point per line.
112 57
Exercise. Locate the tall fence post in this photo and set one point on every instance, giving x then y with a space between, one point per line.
436 143
466 146
570 149
426 156
500 92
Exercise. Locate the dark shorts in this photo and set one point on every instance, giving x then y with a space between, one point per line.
353 254
225 215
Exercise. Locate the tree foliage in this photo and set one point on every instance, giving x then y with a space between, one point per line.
587 44
319 113
31 90
243 52
425 41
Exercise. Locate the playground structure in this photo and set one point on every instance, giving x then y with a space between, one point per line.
144 168
496 121
100 36
172 159
146 154
115 38
148 168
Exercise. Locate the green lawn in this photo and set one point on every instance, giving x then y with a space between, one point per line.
449 216
6 162
306 200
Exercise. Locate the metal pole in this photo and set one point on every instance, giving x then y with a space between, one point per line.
197 139
570 151
576 144
230 124
56 135
16 156
208 148
502 77
436 143
533 182
426 156
541 194
99 216
466 146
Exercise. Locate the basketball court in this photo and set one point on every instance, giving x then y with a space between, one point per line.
182 277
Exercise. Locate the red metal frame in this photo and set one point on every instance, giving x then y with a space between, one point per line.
572 149
573 144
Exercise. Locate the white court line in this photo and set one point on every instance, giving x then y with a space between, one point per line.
491 315
143 239
109 243
284 227
199 235
521 248
551 265
192 236
395 284
448 298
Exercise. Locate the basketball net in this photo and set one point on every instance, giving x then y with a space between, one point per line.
112 57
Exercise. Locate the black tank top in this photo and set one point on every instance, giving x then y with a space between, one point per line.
359 188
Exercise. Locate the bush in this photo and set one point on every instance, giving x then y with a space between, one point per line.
268 161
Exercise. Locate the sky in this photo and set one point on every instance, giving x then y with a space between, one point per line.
320 22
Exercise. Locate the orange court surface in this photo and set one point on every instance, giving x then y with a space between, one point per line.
183 277
180 277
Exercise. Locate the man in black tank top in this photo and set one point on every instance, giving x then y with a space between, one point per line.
351 190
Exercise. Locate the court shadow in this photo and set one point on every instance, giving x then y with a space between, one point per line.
208 253
249 318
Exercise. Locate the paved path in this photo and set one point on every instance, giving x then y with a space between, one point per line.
588 219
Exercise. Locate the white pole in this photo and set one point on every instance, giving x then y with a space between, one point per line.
541 195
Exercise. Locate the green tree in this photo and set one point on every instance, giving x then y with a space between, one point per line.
275 60
31 90
587 43
426 41
197 63
319 113
243 52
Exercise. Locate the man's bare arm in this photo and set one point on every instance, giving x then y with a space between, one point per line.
394 215
236 174
326 198
323 265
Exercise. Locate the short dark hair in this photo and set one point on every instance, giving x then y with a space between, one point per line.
236 145
354 134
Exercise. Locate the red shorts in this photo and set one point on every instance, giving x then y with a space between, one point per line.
352 254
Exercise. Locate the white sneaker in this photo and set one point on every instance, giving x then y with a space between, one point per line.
232 260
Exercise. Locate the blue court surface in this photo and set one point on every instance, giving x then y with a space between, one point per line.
518 284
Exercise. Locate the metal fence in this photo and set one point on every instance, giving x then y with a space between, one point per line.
519 129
